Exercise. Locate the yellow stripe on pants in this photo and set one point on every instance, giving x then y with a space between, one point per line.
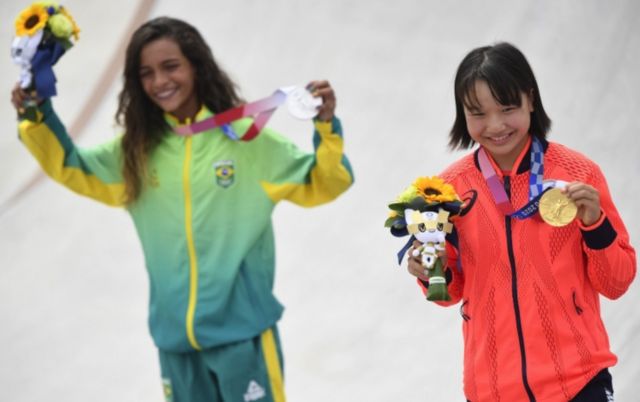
274 371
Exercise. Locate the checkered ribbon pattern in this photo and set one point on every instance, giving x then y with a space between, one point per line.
536 185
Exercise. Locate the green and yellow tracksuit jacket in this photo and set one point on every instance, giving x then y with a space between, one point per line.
203 217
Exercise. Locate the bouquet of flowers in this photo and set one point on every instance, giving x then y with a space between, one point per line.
43 34
425 210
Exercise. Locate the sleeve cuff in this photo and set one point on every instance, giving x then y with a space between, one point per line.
328 127
600 235
44 110
45 107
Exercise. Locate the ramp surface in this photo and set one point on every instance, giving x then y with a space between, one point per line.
73 287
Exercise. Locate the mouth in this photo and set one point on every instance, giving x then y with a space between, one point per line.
501 139
165 94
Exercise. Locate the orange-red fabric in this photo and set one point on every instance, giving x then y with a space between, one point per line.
556 277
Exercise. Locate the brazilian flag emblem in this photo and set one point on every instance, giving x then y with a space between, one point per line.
225 171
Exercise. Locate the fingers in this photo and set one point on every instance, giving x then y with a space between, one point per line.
323 89
587 199
415 262
415 267
18 97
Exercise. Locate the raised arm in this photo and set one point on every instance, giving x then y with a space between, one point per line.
92 172
311 179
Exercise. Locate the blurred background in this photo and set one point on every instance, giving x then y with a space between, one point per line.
73 288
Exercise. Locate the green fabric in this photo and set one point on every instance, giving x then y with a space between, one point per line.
230 219
235 372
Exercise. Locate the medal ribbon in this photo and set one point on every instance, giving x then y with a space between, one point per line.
536 185
261 110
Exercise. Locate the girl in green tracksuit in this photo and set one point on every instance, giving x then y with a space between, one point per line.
202 208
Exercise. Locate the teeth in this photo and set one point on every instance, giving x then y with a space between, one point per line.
164 94
498 139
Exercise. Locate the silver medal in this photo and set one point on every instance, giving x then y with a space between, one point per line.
302 104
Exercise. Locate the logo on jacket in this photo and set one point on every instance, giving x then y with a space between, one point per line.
167 390
225 172
254 392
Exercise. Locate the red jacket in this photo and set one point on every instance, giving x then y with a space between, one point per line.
530 292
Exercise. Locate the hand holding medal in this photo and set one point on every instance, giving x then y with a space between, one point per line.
43 34
325 99
586 200
557 203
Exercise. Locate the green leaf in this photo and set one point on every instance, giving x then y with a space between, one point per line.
389 221
418 203
398 206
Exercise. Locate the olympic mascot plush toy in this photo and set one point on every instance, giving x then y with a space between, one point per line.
425 211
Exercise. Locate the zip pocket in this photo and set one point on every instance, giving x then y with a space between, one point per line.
576 305
591 324
463 314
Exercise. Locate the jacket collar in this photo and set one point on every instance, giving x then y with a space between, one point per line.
525 161
202 114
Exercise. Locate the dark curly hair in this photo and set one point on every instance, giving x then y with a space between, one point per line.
144 121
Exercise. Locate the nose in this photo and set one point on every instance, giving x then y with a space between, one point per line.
496 124
159 79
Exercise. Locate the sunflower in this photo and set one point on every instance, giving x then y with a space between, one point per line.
31 20
434 190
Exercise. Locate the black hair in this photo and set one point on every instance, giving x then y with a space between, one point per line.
508 74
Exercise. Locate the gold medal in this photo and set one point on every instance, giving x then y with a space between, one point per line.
556 208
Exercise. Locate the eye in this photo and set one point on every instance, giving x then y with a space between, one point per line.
422 227
508 109
440 227
474 112
171 67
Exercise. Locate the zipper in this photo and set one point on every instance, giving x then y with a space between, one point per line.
514 294
193 259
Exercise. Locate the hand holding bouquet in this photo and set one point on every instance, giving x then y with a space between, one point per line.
43 34
425 211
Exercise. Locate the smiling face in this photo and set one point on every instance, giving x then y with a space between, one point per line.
428 226
503 130
168 78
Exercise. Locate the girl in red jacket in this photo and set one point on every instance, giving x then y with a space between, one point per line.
529 287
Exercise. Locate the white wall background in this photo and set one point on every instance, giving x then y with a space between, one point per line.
73 288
